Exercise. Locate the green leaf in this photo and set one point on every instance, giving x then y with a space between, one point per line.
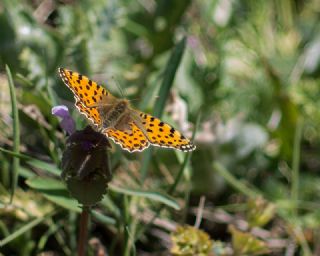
156 196
55 191
50 168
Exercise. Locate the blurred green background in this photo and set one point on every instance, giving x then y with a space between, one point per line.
246 86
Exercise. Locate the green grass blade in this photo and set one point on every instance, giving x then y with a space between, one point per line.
16 133
147 155
296 163
188 177
155 196
25 228
52 229
185 161
169 75
15 154
236 184
50 168
102 218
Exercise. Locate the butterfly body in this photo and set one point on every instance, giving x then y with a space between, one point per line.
132 129
113 115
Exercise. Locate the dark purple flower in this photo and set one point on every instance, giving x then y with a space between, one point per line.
67 123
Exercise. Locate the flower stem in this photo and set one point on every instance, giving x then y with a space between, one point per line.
83 232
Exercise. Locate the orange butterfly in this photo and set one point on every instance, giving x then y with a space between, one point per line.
131 129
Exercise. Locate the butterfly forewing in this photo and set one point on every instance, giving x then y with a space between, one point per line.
84 89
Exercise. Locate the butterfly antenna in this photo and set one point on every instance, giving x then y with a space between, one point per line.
135 99
118 86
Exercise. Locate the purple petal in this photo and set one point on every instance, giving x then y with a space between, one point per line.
67 123
60 111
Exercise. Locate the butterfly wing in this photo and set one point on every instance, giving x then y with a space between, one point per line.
91 113
85 90
139 135
163 135
131 140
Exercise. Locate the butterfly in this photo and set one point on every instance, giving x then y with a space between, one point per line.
132 129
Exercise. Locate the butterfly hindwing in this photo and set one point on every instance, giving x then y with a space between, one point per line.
130 140
91 113
162 134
